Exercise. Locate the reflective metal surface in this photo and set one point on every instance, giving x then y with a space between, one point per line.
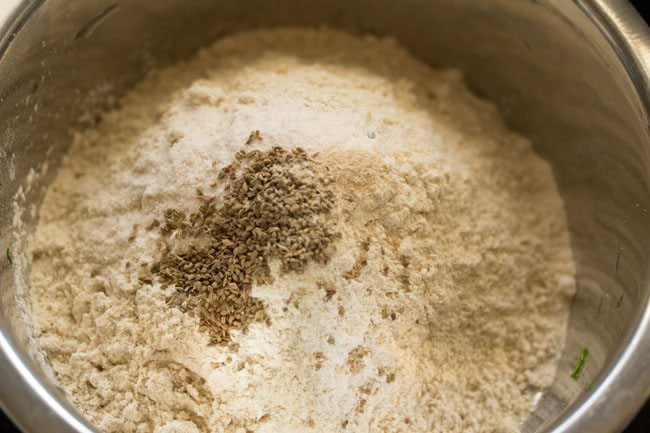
572 75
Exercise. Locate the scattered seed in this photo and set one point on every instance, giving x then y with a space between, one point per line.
254 135
330 291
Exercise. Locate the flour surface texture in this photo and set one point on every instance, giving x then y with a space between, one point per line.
443 306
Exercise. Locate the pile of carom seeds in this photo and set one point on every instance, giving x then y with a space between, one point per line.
274 206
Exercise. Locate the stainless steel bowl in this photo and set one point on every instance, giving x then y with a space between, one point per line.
570 74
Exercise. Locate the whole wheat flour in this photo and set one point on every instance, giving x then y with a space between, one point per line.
442 307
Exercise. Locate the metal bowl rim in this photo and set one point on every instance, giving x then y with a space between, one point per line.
629 36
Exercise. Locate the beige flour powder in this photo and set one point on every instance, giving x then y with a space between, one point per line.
442 309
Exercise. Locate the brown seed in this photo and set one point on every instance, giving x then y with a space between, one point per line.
254 135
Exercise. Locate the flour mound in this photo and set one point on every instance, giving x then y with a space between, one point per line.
443 307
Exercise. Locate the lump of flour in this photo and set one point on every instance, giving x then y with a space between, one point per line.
438 302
